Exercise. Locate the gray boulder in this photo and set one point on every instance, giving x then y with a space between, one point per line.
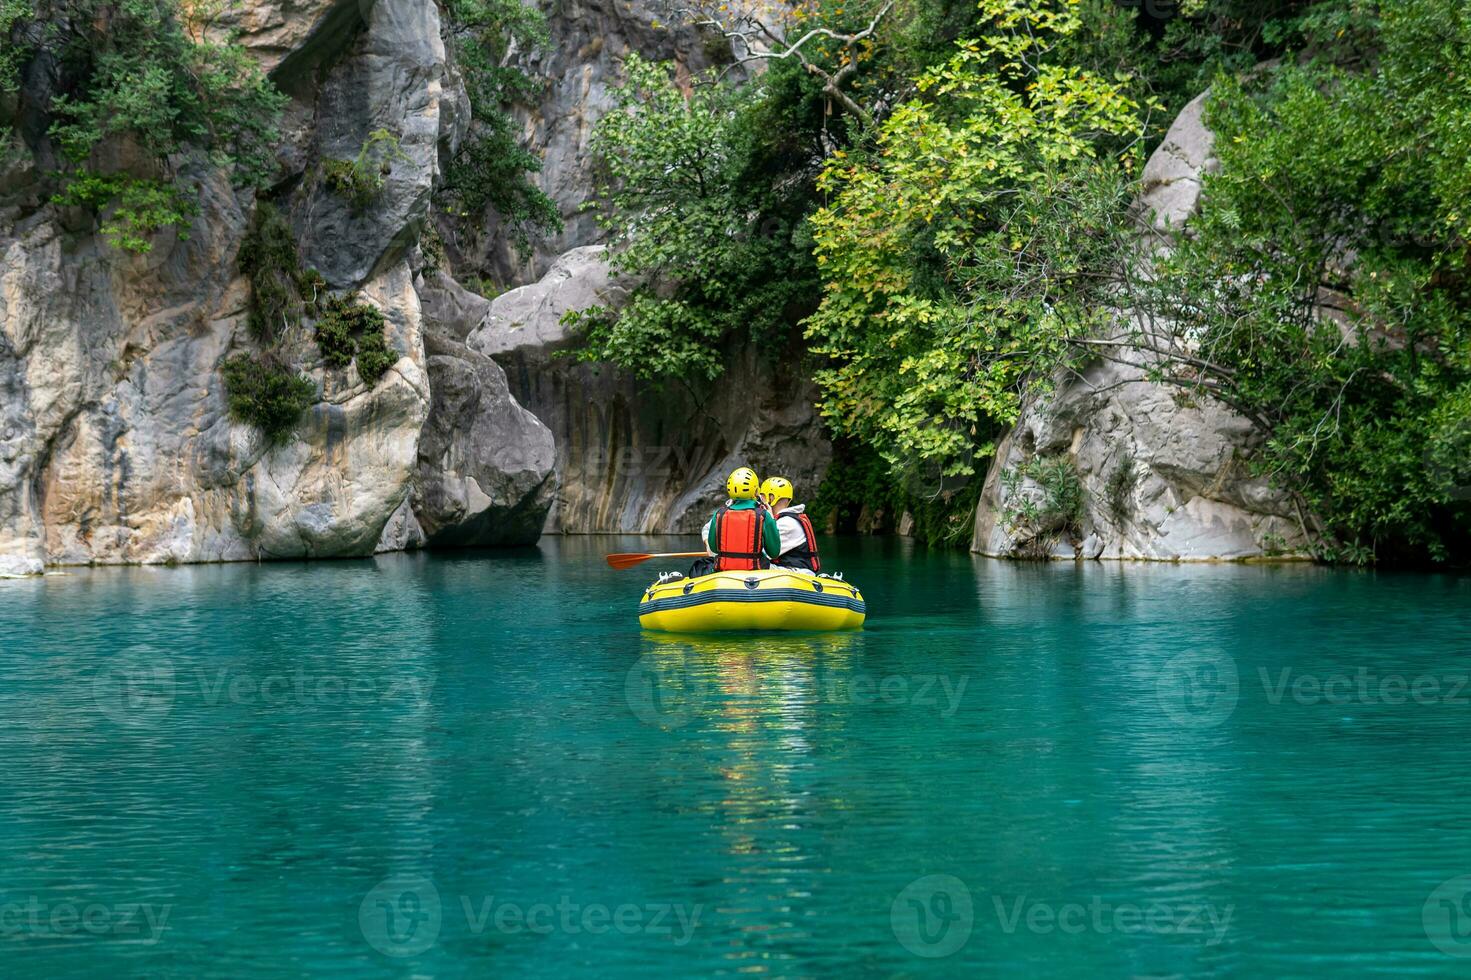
486 465
1164 477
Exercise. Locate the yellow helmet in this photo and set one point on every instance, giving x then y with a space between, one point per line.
776 488
741 484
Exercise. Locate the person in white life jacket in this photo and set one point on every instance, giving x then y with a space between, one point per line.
798 540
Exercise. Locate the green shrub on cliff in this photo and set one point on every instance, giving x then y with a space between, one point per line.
264 393
375 357
491 169
12 53
361 179
132 209
142 74
347 329
1044 500
280 289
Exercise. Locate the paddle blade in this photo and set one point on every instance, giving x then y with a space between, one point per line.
638 558
627 561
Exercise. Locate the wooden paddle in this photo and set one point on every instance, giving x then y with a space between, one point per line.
637 558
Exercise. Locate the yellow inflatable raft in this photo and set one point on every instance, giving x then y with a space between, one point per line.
769 599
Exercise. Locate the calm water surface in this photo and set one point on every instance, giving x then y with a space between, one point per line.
479 766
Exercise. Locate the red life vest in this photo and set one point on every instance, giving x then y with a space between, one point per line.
738 540
803 555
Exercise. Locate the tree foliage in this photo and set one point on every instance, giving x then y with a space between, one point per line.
1324 290
141 82
964 249
491 169
720 253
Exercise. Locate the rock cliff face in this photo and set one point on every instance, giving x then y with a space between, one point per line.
1162 477
634 459
576 72
115 444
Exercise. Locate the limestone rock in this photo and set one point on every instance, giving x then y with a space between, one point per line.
630 457
273 30
115 445
14 566
1171 184
453 310
1189 497
389 78
1163 475
486 465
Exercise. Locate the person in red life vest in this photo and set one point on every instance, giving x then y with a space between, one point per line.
741 535
798 540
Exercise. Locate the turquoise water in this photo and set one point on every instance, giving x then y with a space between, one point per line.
478 766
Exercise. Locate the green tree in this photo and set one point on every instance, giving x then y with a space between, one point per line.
12 52
963 251
1324 289
688 198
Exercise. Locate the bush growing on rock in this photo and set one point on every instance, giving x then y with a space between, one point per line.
361 179
280 290
348 328
375 357
264 393
490 169
141 74
1044 500
689 201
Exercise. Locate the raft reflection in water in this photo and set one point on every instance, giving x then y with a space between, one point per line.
682 679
